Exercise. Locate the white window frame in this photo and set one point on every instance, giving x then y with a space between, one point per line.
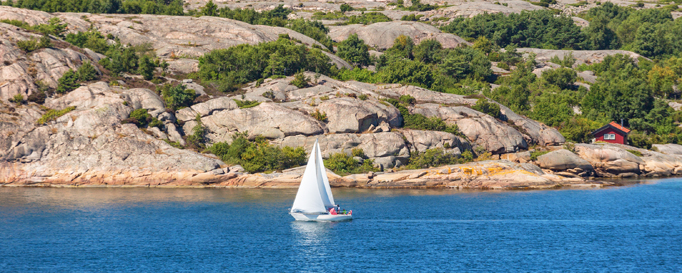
609 136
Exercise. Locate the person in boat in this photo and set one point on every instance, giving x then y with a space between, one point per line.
344 211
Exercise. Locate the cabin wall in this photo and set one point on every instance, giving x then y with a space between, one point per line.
620 139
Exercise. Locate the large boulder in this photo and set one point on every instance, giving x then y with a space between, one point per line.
350 115
610 159
563 160
206 108
481 129
382 35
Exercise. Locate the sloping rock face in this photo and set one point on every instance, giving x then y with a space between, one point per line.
480 128
19 71
382 35
348 115
421 141
614 159
169 36
90 145
669 149
471 9
581 56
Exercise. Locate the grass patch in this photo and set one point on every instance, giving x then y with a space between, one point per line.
51 115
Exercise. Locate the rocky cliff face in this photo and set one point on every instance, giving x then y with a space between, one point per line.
20 70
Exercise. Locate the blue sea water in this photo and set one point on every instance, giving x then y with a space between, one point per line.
624 229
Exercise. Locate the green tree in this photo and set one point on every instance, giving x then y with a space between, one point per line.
68 82
428 51
177 96
354 50
146 67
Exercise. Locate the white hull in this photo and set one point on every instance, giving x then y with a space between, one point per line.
321 217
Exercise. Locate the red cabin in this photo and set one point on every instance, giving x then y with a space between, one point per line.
612 133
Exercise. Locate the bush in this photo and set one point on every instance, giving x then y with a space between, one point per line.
482 105
177 96
28 45
300 80
535 154
87 72
354 50
51 115
139 117
343 164
146 68
18 99
635 152
358 152
68 82
45 42
228 68
246 103
259 155
431 158
321 116
345 7
363 97
37 97
198 136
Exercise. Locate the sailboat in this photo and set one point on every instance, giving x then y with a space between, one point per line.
314 199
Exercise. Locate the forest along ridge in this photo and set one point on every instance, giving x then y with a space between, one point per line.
222 96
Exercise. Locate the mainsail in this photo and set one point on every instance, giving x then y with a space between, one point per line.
314 194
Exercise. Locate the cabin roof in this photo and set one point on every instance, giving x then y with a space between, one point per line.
615 126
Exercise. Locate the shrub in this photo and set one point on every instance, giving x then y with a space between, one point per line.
343 164
87 72
156 123
45 42
37 97
139 117
18 99
51 115
354 50
358 152
198 136
407 99
247 103
28 45
321 116
635 152
269 94
431 158
535 154
345 7
68 82
300 80
146 67
177 96
482 105
258 155
363 97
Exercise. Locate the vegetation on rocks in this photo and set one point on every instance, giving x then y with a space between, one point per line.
71 80
258 155
343 164
52 114
228 68
436 157
142 118
177 96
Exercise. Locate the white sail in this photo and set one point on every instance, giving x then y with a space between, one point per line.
325 180
310 198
